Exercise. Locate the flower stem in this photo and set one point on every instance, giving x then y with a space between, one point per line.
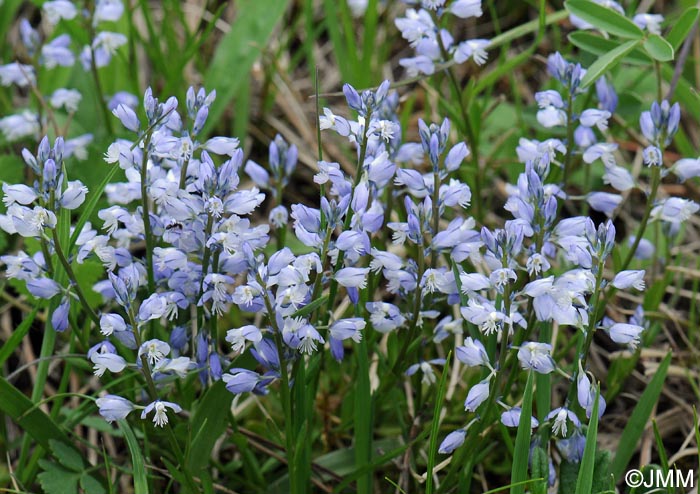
71 275
569 136
285 393
148 234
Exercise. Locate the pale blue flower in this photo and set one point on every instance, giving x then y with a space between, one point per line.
114 407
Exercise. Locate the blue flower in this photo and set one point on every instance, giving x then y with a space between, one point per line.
114 407
452 441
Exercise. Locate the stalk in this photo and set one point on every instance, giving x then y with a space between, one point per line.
468 130
285 396
146 214
71 275
569 135
153 394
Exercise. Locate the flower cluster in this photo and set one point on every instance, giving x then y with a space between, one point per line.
434 45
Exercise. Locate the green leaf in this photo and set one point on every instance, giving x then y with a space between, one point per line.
597 45
568 472
522 440
435 426
539 470
29 417
602 480
95 196
91 485
637 422
605 19
681 28
663 457
606 62
658 48
208 424
239 49
137 461
17 336
584 482
67 456
57 480
310 307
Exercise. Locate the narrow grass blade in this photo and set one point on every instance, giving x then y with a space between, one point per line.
637 423
435 426
522 441
663 457
241 46
584 482
607 62
137 461
17 336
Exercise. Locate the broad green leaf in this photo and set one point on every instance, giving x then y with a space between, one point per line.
67 456
522 440
597 45
137 461
681 28
606 62
91 485
30 418
57 480
658 48
16 337
584 482
208 424
605 19
637 422
239 49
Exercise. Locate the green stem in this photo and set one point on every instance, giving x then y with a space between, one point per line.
153 394
569 136
655 182
71 275
417 304
285 394
467 129
436 214
205 268
183 174
333 291
146 214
